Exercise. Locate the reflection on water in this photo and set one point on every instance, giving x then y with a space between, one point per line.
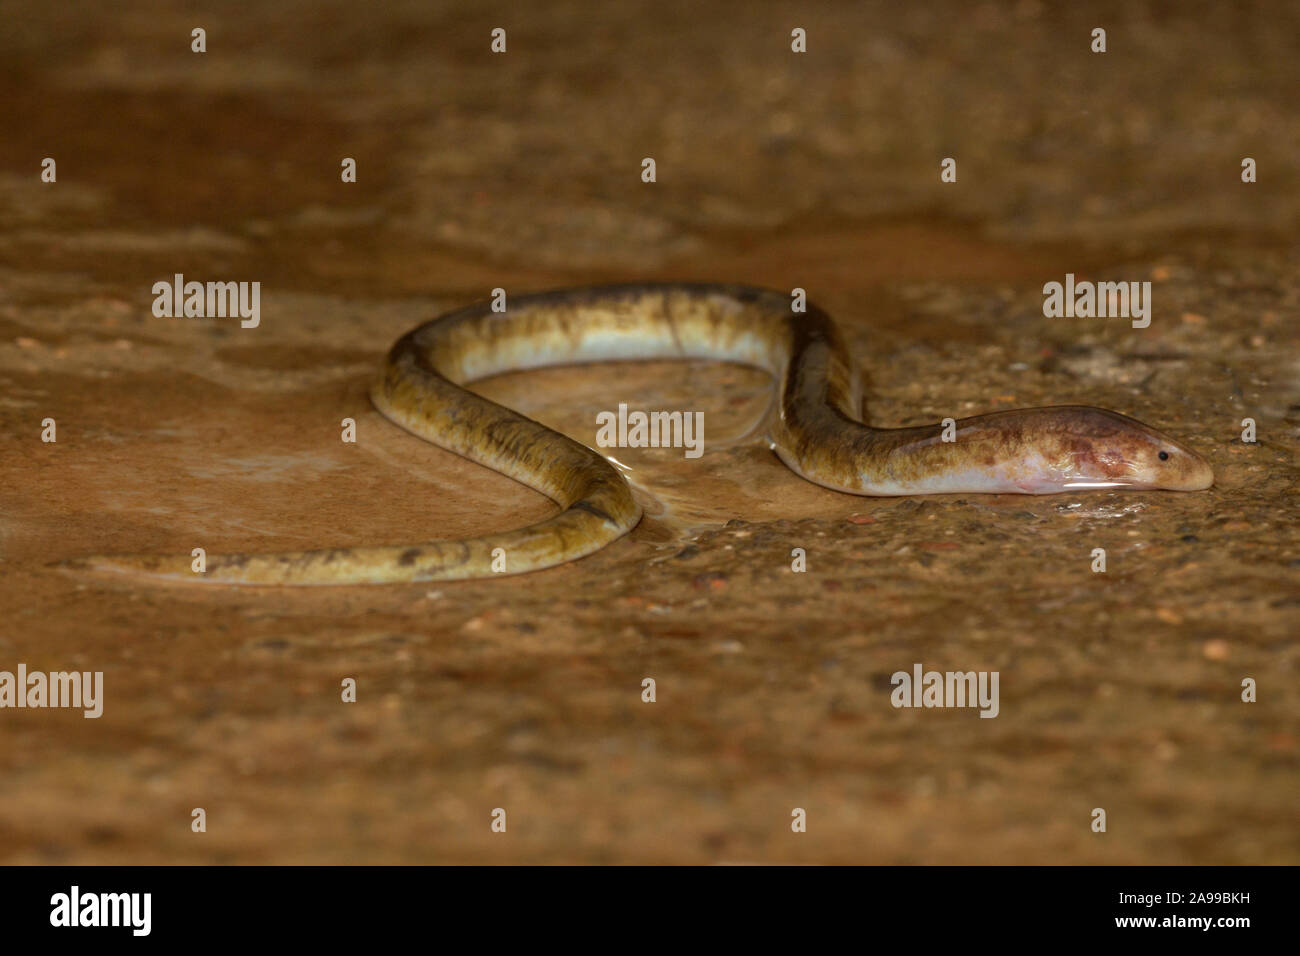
1120 508
736 477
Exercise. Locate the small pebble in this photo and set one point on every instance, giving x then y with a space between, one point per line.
1168 615
1215 650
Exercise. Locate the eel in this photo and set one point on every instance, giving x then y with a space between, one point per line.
817 427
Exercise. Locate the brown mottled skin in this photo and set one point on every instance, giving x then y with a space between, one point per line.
816 430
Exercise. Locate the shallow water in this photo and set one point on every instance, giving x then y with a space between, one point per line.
1119 690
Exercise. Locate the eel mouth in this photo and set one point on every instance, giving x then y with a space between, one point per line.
1172 466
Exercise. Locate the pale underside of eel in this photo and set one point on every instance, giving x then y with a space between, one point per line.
816 428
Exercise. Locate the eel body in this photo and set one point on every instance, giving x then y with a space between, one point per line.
816 429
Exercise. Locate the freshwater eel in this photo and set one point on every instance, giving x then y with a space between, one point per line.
816 428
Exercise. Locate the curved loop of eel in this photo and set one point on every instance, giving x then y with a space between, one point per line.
815 430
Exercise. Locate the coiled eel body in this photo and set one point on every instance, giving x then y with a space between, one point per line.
816 430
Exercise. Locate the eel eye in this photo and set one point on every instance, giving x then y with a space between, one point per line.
1164 456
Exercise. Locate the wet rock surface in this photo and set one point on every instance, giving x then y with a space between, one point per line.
1119 690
